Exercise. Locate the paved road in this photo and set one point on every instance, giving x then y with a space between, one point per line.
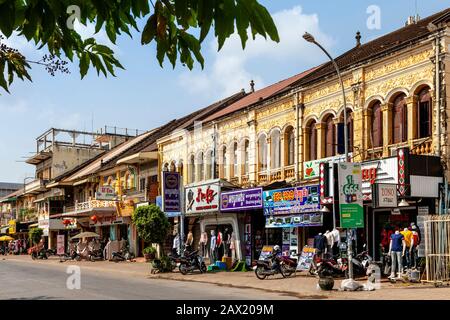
23 280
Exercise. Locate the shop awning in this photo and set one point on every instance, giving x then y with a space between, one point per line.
34 225
4 229
138 157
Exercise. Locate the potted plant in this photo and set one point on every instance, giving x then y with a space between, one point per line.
149 253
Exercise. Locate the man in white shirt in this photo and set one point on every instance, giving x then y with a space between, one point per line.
336 240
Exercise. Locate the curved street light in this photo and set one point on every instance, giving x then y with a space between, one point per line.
310 38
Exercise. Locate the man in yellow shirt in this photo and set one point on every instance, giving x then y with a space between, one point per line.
409 245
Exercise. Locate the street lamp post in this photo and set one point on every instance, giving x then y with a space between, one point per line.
308 37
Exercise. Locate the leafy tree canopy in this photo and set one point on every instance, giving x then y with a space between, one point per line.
151 223
178 27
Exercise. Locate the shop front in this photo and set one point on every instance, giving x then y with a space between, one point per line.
293 217
210 227
396 192
248 205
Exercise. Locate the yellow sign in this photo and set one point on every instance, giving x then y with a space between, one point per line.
12 226
125 208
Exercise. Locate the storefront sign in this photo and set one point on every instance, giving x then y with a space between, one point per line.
378 171
291 200
306 258
44 224
60 244
266 252
311 169
300 220
171 192
12 226
350 195
384 195
241 200
106 193
125 208
202 198
98 221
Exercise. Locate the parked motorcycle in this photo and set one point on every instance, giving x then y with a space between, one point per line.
95 255
72 255
284 265
39 254
190 262
123 255
330 267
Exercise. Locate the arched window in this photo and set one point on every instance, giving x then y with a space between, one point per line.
172 166
290 146
424 113
209 165
312 141
377 125
200 167
225 162
191 172
399 119
329 137
246 156
275 150
350 130
262 153
235 159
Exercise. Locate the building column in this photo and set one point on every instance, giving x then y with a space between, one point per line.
358 135
386 110
367 129
284 155
411 115
268 156
320 127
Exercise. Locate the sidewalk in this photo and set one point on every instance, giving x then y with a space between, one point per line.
302 286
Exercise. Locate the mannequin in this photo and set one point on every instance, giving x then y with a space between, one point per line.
397 247
233 246
189 241
337 240
213 247
219 245
330 241
320 244
203 242
227 242
176 244
414 247
408 241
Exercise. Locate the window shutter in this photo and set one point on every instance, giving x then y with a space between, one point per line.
340 140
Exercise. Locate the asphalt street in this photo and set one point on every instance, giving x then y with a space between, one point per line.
20 280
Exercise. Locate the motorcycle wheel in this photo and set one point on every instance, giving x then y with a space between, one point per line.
33 256
78 258
286 271
183 269
203 268
259 272
92 258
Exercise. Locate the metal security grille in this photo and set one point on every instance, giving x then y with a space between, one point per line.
437 248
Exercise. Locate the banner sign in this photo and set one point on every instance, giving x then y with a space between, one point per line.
306 258
300 220
60 244
384 195
12 226
202 198
350 195
291 200
266 252
241 200
106 193
171 192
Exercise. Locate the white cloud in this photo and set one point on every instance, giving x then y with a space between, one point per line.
231 68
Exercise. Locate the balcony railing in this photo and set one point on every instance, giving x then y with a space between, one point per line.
35 186
234 180
92 204
375 153
275 174
262 177
245 179
422 146
289 172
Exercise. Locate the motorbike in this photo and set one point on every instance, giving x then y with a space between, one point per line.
330 267
286 266
72 255
95 255
39 254
123 255
190 262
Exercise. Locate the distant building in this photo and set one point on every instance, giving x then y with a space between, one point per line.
8 188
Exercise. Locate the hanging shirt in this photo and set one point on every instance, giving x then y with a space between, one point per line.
416 239
397 239
330 238
408 237
320 242
336 235
385 237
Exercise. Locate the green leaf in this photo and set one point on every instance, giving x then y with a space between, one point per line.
149 32
84 64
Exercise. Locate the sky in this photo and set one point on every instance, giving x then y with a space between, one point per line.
145 95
